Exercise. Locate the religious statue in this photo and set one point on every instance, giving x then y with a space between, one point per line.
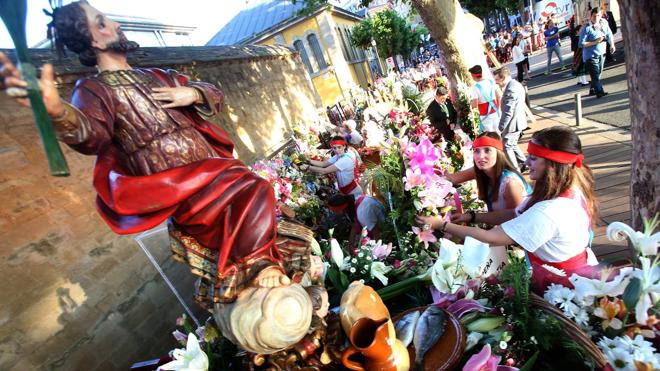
159 159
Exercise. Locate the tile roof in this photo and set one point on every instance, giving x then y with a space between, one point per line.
263 15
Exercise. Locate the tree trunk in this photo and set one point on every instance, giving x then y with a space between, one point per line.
641 32
457 36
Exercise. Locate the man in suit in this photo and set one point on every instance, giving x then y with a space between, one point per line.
513 120
442 115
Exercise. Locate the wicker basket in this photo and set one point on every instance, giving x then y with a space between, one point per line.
573 330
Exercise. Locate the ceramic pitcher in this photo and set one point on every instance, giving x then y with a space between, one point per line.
376 340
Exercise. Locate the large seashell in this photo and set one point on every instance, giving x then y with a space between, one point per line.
266 320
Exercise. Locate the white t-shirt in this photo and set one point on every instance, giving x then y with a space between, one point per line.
370 213
345 165
356 138
554 230
517 52
491 121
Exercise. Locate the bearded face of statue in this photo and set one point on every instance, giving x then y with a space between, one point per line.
106 35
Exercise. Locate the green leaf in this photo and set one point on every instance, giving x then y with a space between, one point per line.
632 293
344 281
528 366
333 275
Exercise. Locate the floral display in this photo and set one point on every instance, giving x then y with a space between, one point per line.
619 310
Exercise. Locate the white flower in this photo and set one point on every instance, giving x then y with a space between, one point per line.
645 243
554 270
503 345
582 318
649 276
570 309
316 248
352 270
586 287
190 359
619 359
379 271
336 253
448 253
474 253
472 339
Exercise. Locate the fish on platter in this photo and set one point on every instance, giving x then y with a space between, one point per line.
405 327
429 329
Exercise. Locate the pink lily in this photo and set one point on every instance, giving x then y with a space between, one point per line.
381 251
484 361
426 236
415 178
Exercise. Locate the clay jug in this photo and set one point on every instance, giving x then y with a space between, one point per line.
376 340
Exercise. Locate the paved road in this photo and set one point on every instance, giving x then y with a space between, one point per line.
557 90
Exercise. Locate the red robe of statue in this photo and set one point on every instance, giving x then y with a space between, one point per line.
155 163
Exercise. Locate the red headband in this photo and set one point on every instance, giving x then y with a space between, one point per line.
556 156
338 208
487 142
337 142
477 75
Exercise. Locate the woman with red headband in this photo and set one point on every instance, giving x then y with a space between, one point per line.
554 224
500 185
345 164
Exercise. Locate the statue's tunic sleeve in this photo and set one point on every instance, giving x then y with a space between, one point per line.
96 115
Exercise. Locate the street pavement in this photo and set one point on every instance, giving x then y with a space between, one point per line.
557 91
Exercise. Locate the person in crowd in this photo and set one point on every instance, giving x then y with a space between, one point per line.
552 44
609 16
486 97
579 67
518 54
365 211
513 120
563 186
499 183
442 115
344 164
353 137
594 34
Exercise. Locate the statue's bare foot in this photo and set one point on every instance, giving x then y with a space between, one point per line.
271 277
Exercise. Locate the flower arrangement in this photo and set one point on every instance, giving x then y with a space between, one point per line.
620 312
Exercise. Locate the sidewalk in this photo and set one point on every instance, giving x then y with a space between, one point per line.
608 152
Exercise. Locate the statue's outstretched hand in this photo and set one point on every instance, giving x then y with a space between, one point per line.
180 96
15 86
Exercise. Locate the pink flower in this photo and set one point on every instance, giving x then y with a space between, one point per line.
484 361
415 178
180 321
381 251
424 157
425 236
397 264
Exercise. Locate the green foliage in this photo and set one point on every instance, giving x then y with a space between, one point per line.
392 33
482 8
413 99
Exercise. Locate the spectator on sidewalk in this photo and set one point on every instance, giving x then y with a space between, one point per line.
513 120
442 115
552 44
592 37
518 54
613 27
579 67
486 97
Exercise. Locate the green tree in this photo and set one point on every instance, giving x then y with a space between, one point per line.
393 35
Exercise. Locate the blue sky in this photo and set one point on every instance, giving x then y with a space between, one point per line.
207 15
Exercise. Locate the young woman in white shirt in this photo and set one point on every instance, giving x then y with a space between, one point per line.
518 53
554 224
345 164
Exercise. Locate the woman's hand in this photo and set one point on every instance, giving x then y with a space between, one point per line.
433 221
460 218
180 96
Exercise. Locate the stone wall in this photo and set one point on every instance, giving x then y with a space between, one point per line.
76 296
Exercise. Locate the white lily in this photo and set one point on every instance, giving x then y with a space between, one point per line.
587 287
336 253
645 243
649 276
379 271
190 359
448 253
474 253
444 279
